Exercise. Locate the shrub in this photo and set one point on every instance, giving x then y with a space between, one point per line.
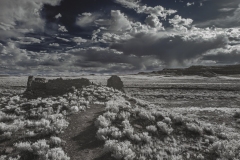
55 140
152 128
56 154
23 146
194 128
40 147
226 149
164 128
120 150
6 135
102 122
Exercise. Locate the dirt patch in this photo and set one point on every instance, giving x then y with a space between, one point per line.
80 136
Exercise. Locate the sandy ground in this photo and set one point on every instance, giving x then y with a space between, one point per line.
81 143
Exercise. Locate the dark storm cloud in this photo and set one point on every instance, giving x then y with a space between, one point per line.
104 57
170 48
224 56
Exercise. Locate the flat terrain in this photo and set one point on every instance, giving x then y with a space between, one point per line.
208 100
182 91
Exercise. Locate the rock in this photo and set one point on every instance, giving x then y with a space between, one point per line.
29 82
115 82
40 87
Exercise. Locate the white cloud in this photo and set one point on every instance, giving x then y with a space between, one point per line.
177 21
28 40
129 3
58 16
24 14
86 19
226 9
54 44
16 60
119 21
180 24
157 10
190 4
139 8
62 28
153 21
79 40
63 39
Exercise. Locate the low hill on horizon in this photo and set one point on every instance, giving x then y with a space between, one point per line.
206 71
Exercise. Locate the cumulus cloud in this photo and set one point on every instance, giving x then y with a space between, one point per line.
119 27
16 16
157 10
119 21
153 21
62 28
16 60
140 8
127 45
79 40
179 21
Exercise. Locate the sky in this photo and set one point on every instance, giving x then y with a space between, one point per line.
69 37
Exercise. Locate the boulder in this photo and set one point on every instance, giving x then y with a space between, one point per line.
115 82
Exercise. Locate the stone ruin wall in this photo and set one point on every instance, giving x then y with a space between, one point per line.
40 87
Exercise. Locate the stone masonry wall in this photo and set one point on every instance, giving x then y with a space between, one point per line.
40 87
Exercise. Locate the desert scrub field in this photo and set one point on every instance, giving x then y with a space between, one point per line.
29 129
168 123
135 129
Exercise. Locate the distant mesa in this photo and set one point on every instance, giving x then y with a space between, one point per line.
115 82
205 71
40 87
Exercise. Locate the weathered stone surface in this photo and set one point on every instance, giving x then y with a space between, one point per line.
40 87
29 82
115 82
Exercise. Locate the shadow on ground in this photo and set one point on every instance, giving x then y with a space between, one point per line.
87 138
105 157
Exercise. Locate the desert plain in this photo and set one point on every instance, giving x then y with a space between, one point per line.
189 117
